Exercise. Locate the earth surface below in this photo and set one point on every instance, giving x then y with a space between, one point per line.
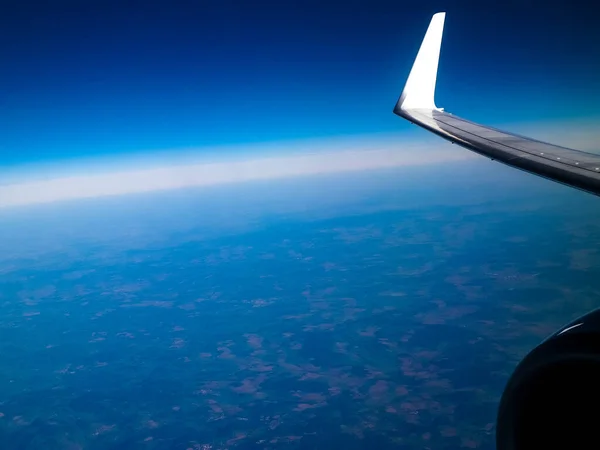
372 311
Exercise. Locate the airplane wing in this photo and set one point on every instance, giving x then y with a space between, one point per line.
574 168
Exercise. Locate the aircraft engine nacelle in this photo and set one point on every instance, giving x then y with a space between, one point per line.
552 400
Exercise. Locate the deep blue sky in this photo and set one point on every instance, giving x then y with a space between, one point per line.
83 78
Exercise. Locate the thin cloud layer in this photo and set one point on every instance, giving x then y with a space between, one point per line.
281 160
375 153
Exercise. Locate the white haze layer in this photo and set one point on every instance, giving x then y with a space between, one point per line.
179 169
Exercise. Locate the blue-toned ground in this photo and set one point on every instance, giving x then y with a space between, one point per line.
353 312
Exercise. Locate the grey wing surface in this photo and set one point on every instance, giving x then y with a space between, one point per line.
571 167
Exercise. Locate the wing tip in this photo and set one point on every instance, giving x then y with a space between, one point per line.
419 90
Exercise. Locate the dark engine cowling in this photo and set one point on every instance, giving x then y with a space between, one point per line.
552 400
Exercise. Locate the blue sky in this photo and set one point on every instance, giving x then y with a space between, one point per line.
86 78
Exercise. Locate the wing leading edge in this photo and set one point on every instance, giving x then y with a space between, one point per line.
574 168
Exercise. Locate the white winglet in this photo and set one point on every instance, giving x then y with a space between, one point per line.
419 89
